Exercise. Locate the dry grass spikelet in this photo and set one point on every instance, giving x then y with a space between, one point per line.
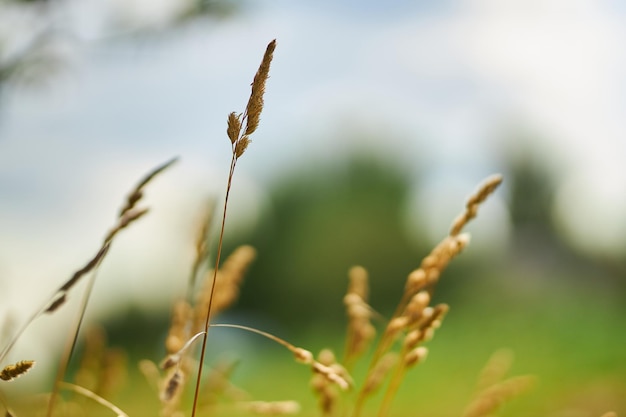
493 397
178 332
333 375
380 372
471 207
434 263
13 371
415 308
497 366
360 329
228 282
415 356
136 193
124 221
171 389
255 103
242 145
322 387
610 414
233 130
327 396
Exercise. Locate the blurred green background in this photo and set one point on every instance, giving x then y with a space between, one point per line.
376 130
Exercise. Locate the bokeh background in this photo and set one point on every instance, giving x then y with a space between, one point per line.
381 118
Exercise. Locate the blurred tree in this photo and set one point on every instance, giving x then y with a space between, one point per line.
322 222
33 33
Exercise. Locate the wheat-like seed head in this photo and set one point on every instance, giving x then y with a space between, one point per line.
255 103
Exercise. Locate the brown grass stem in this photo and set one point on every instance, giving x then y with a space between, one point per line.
270 336
70 345
239 143
93 396
233 163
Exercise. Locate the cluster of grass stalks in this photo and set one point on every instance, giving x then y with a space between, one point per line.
399 347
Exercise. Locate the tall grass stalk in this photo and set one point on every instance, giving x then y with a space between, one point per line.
240 140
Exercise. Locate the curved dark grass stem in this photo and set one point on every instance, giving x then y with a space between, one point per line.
205 337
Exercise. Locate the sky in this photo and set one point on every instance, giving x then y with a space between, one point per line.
434 86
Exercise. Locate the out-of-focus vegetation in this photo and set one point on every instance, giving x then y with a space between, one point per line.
559 310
